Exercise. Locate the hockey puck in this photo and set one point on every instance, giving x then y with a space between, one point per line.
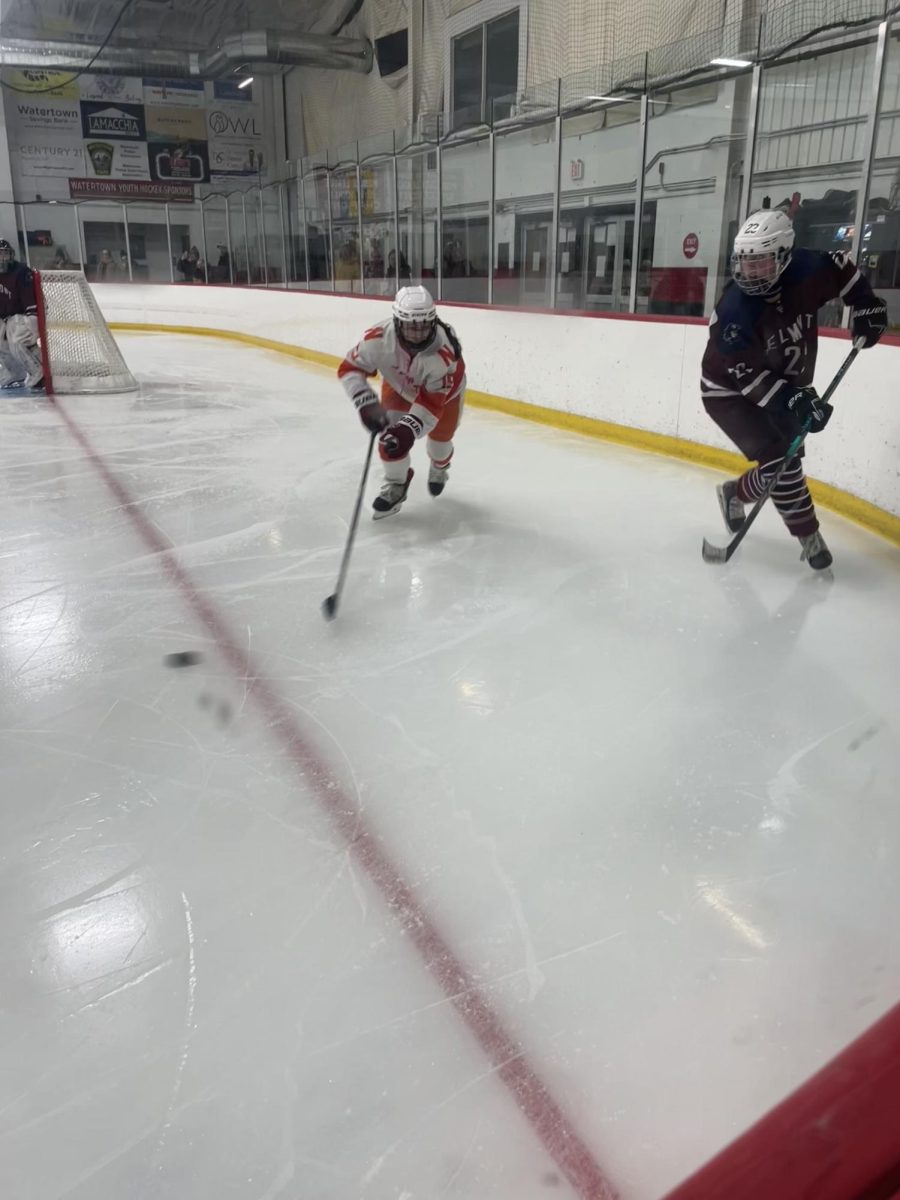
183 658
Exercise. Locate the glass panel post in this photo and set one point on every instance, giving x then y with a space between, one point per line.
359 225
228 240
330 231
287 273
203 241
639 203
396 225
24 234
492 193
78 241
169 243
127 243
553 264
750 144
82 246
305 230
439 248
246 241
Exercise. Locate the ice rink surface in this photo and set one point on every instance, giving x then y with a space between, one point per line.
644 808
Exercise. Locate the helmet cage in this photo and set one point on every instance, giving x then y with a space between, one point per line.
756 272
415 318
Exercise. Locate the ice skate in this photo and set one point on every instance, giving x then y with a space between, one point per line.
815 551
732 508
390 497
437 479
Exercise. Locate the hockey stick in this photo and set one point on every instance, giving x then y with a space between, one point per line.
721 554
330 603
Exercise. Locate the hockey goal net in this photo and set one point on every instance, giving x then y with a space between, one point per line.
79 353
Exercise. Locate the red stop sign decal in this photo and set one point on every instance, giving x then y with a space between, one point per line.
690 245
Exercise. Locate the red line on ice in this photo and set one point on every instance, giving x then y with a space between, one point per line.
553 1127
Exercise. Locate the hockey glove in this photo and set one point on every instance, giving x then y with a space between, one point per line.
372 415
807 405
869 323
397 441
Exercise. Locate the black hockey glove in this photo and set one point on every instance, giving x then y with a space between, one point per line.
869 323
807 405
372 415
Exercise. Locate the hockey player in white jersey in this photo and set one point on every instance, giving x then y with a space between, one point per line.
423 377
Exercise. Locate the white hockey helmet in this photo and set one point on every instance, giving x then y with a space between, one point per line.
762 250
415 316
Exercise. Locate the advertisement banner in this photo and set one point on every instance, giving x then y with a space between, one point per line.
42 157
227 89
118 89
116 160
64 84
235 140
183 93
188 161
113 121
42 115
123 189
171 124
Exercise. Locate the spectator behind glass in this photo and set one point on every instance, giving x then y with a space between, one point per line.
404 273
223 266
106 268
190 265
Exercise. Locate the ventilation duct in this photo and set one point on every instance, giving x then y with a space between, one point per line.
253 49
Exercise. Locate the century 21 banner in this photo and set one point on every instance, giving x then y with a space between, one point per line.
126 137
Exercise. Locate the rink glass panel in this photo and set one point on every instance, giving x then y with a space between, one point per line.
880 245
417 205
465 239
810 144
600 158
525 179
696 138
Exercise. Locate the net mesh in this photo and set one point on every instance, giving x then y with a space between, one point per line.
82 352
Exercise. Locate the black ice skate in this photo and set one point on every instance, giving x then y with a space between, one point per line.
390 497
437 479
732 509
815 551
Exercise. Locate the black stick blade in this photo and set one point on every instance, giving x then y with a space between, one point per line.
329 607
715 554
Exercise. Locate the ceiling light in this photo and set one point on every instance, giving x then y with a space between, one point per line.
614 99
729 62
246 82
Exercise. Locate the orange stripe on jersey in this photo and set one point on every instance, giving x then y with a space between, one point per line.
435 401
349 368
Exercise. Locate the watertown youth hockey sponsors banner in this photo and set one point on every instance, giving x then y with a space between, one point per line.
123 189
124 128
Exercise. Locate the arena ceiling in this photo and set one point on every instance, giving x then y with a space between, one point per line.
192 25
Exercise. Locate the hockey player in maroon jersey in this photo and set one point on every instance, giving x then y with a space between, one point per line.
20 358
760 359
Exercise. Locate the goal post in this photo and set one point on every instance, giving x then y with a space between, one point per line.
79 353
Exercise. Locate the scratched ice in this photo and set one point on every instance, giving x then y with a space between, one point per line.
559 857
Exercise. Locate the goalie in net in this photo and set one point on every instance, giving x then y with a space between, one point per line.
20 356
66 344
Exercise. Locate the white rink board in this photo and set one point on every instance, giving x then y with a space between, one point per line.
641 373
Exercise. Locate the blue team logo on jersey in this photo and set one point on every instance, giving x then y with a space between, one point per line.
731 334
